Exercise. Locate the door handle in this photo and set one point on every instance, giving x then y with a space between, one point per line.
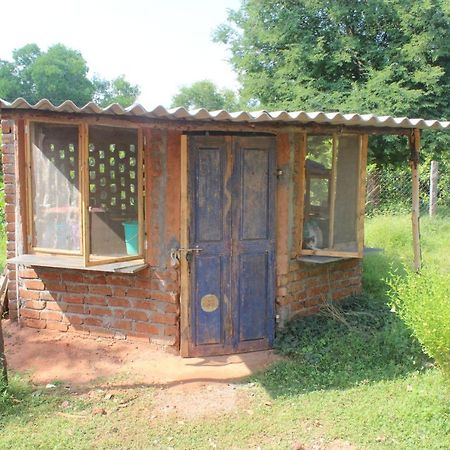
175 254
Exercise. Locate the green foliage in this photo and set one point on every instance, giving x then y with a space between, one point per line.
118 91
422 302
359 341
205 94
58 74
380 56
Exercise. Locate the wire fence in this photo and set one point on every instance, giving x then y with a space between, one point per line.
389 190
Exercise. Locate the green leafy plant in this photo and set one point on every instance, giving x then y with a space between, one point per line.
422 302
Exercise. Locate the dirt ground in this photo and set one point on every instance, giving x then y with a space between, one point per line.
184 386
99 369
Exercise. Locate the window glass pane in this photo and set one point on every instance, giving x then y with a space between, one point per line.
113 202
55 195
332 194
317 202
347 189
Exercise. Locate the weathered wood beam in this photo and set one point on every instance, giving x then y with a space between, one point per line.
189 125
414 145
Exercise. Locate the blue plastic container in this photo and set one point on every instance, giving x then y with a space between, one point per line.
131 237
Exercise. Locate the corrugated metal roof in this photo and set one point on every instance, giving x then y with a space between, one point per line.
297 117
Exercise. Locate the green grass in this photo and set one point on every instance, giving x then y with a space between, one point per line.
353 374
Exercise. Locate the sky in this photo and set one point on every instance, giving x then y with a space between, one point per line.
158 44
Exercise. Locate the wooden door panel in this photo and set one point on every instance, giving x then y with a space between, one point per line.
208 309
210 234
252 294
254 194
231 188
253 242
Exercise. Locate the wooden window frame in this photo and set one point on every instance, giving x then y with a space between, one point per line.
83 167
360 207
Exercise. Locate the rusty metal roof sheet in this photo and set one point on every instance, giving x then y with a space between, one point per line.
297 117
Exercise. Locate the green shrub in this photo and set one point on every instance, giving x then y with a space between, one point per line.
423 302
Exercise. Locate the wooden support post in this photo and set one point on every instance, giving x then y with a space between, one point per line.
414 145
434 176
3 371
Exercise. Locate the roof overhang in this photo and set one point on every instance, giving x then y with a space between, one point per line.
276 119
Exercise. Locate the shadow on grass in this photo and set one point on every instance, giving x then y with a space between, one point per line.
357 342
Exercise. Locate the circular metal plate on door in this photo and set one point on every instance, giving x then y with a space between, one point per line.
209 303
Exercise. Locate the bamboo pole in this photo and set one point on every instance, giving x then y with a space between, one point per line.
414 145
434 176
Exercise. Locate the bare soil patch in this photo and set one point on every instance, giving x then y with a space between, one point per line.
184 387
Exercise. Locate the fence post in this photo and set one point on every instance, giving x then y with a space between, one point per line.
434 177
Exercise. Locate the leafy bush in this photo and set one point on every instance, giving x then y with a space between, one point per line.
423 303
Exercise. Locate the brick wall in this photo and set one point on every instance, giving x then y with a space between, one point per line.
9 148
307 286
142 305
146 305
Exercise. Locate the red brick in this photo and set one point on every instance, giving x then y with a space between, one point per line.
171 308
74 277
120 291
101 290
73 298
95 279
75 308
98 311
164 296
59 326
33 295
118 280
171 330
56 316
46 295
93 321
30 313
81 288
49 275
169 319
74 319
136 315
11 227
54 306
34 323
55 286
96 300
122 324
114 301
34 304
118 313
141 293
27 273
37 285
146 328
143 304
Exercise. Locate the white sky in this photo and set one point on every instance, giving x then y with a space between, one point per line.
158 44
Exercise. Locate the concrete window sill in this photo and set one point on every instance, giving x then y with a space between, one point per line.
76 262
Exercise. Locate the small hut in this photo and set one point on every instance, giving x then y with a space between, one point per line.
204 231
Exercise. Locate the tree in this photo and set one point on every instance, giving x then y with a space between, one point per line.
58 74
205 94
374 56
118 91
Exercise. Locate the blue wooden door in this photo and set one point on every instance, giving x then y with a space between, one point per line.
232 226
